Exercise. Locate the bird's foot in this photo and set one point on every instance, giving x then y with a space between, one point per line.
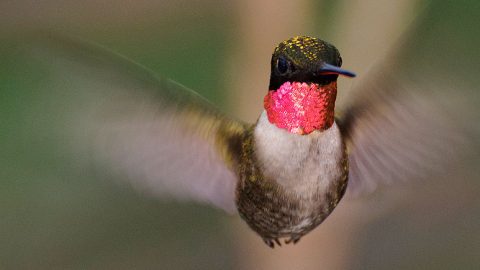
292 239
271 242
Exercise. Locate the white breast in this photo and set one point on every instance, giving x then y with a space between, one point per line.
299 162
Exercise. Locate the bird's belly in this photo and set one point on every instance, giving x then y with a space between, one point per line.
290 183
274 211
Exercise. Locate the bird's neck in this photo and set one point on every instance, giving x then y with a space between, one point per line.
299 163
302 108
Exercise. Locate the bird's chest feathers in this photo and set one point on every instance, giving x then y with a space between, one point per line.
299 163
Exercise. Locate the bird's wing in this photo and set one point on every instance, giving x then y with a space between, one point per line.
411 117
158 135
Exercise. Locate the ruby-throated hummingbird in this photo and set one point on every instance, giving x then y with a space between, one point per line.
285 173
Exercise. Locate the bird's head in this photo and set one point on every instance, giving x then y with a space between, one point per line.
303 85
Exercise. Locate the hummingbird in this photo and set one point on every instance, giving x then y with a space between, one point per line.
283 174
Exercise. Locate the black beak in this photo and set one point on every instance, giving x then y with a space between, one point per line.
328 69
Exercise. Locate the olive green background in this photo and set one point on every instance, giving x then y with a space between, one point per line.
51 218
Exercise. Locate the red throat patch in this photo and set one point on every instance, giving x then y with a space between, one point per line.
301 108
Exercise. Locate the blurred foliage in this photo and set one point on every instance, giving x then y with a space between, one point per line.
446 37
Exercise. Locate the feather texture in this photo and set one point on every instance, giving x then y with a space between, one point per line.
400 127
160 136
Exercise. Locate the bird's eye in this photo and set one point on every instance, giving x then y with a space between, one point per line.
282 65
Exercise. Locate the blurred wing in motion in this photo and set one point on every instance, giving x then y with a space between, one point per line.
160 136
410 119
397 136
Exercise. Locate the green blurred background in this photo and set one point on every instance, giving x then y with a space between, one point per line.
53 219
